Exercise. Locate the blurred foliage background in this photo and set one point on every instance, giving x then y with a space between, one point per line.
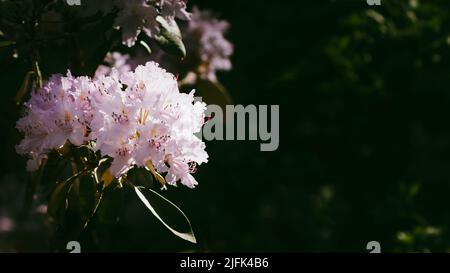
364 138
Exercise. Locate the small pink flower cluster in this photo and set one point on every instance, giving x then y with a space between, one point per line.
204 37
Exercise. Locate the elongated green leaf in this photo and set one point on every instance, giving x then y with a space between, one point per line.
159 205
140 177
58 201
6 43
87 194
98 196
213 93
170 39
109 206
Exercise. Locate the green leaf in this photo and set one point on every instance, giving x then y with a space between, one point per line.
98 196
170 39
86 154
108 209
58 201
161 208
213 93
102 173
7 43
140 177
86 194
55 168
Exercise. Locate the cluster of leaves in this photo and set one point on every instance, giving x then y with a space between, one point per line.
86 200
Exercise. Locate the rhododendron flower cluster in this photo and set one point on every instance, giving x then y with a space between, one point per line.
204 38
136 118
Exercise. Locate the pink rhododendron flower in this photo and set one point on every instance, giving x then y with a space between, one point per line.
136 118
